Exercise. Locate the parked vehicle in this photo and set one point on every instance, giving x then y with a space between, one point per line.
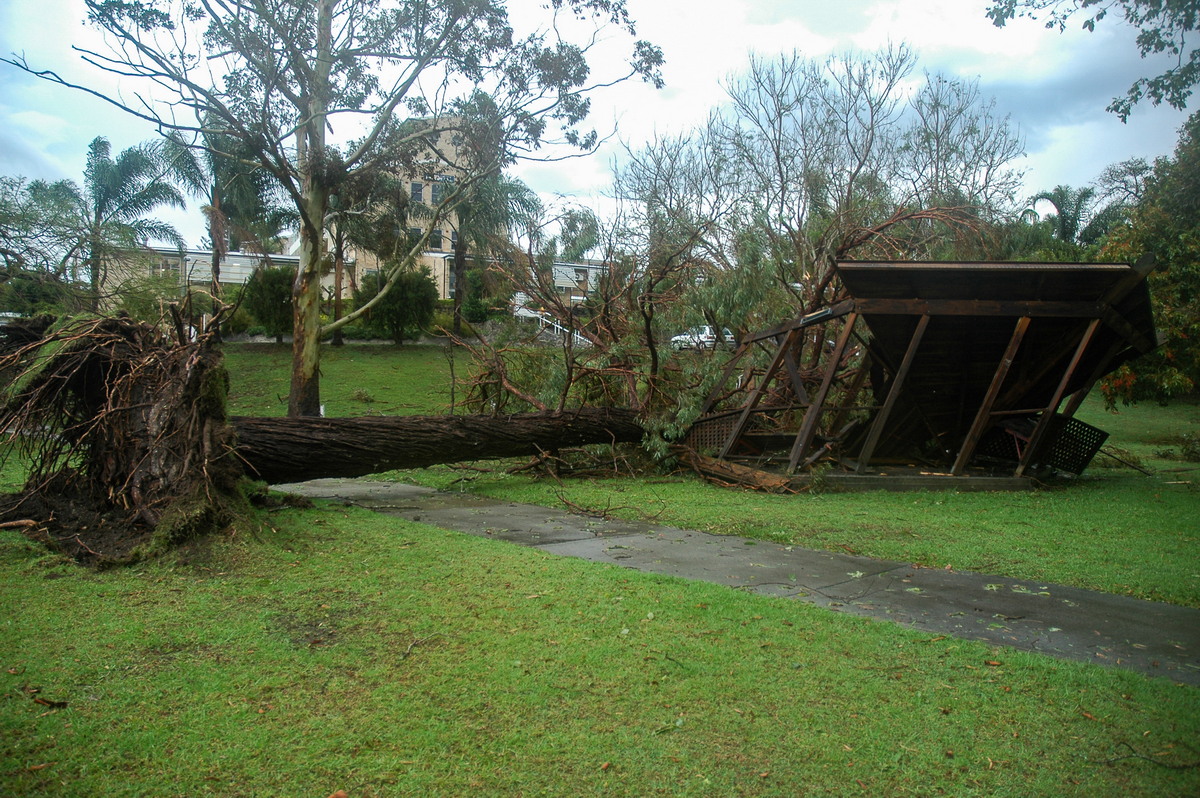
703 337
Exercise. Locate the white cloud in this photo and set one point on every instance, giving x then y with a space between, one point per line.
47 128
1055 86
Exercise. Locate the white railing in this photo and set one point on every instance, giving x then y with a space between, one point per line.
547 322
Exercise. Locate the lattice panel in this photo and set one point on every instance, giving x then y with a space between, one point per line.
1073 444
710 434
1069 446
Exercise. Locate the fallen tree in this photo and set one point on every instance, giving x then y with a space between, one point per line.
280 450
129 450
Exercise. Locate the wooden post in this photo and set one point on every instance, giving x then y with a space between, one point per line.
809 426
752 402
1077 398
985 408
711 399
856 386
793 370
881 418
1039 432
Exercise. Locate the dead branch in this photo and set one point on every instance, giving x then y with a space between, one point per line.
733 474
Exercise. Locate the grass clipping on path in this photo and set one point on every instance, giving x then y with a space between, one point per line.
339 649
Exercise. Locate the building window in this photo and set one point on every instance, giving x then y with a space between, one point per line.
435 239
164 267
418 192
454 240
440 187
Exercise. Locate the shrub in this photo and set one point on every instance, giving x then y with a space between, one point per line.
237 322
405 310
268 297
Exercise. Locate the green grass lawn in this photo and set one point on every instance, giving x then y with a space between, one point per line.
334 648
356 379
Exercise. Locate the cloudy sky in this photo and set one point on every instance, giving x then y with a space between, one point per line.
1055 86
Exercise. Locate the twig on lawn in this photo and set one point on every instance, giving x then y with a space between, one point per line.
1135 754
417 642
1134 466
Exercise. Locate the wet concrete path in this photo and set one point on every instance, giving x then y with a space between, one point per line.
1148 637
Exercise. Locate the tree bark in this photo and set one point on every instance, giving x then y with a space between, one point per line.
460 280
304 398
280 450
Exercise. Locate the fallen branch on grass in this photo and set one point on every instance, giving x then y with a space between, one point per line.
1135 754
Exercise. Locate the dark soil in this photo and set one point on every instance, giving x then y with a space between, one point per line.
75 524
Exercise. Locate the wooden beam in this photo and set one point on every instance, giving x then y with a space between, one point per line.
809 426
1127 331
1137 273
868 449
834 311
979 266
711 399
980 307
1050 356
756 394
984 414
1039 432
793 370
1101 369
856 386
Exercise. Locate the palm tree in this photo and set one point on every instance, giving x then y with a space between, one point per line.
486 214
113 204
1070 207
237 197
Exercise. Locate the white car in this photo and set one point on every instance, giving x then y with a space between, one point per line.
703 337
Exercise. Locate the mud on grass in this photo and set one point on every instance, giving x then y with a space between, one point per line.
76 525
71 521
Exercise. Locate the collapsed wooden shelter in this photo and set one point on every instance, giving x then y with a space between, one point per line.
957 369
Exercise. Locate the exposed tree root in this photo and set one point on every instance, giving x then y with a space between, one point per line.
125 434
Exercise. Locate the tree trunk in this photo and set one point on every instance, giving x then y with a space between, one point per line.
304 398
130 449
460 280
216 236
280 450
339 268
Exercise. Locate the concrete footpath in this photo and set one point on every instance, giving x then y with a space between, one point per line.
1144 636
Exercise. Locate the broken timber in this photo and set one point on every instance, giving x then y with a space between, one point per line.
945 367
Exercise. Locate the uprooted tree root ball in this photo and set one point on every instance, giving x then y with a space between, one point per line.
126 437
